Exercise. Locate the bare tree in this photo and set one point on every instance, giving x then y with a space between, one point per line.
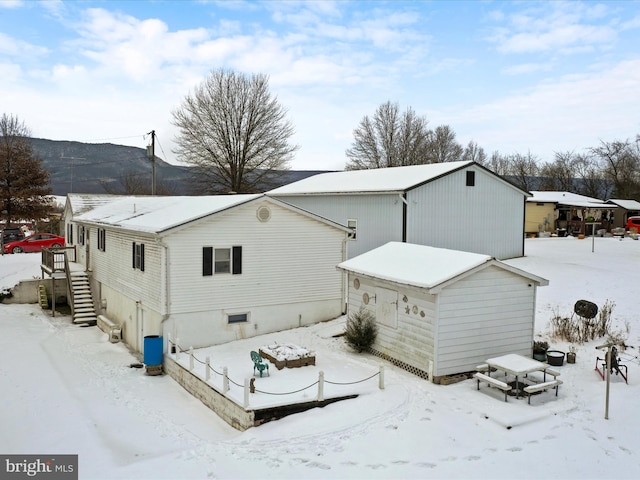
389 139
24 184
523 169
593 182
234 132
621 166
473 152
560 174
499 164
443 146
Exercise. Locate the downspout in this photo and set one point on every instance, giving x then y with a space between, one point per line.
403 197
524 223
345 275
165 292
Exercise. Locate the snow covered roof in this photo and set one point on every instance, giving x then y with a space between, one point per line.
152 214
626 204
421 265
567 198
393 179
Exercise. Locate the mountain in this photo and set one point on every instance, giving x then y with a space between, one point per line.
77 167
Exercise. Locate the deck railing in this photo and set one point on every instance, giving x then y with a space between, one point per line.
57 259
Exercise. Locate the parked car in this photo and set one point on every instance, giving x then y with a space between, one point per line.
34 243
11 235
633 222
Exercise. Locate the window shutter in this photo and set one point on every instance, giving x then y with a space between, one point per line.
142 257
237 261
207 261
133 262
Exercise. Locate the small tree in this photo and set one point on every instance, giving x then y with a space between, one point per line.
24 184
361 330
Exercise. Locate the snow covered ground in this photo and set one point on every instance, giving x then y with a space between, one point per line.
66 389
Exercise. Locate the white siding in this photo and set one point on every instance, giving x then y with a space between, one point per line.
289 276
379 217
487 218
487 314
412 342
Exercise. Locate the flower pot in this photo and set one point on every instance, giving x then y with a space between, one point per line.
555 358
571 357
540 356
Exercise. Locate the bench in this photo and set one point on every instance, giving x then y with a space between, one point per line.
258 364
481 377
539 387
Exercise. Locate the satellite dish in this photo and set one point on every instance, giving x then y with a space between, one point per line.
585 309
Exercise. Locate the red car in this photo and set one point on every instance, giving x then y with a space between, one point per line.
633 222
34 243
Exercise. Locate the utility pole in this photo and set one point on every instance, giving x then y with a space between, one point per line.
151 153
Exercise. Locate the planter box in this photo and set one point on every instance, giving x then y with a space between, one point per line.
555 358
289 363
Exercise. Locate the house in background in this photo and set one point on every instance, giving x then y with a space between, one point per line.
564 213
206 270
441 312
457 205
622 210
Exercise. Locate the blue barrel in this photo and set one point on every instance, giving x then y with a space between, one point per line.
153 350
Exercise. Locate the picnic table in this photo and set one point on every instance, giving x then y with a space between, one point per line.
518 366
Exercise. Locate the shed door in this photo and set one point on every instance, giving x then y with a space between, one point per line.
387 307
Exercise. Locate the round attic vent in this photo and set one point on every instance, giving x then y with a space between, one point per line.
263 214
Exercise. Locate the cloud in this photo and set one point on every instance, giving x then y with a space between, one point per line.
18 48
564 27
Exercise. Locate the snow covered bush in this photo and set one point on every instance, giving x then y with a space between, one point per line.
361 330
577 329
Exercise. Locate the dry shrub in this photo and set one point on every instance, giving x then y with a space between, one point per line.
576 329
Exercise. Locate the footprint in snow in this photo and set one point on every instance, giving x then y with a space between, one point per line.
515 449
322 466
472 458
399 462
427 464
376 466
425 419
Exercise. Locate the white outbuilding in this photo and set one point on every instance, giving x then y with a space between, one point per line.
458 205
441 312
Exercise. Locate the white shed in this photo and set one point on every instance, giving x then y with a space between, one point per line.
457 205
207 270
442 312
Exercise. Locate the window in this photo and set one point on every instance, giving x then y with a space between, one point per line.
138 256
353 225
221 260
237 318
80 235
102 237
471 178
70 233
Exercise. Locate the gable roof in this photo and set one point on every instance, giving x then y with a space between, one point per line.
625 204
159 214
378 180
566 198
423 266
152 214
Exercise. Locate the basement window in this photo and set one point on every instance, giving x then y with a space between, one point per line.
238 318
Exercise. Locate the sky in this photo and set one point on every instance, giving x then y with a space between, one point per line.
68 390
514 77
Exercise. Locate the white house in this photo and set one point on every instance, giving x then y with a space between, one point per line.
207 270
458 205
442 312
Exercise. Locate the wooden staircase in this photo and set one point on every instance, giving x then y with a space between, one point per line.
82 310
